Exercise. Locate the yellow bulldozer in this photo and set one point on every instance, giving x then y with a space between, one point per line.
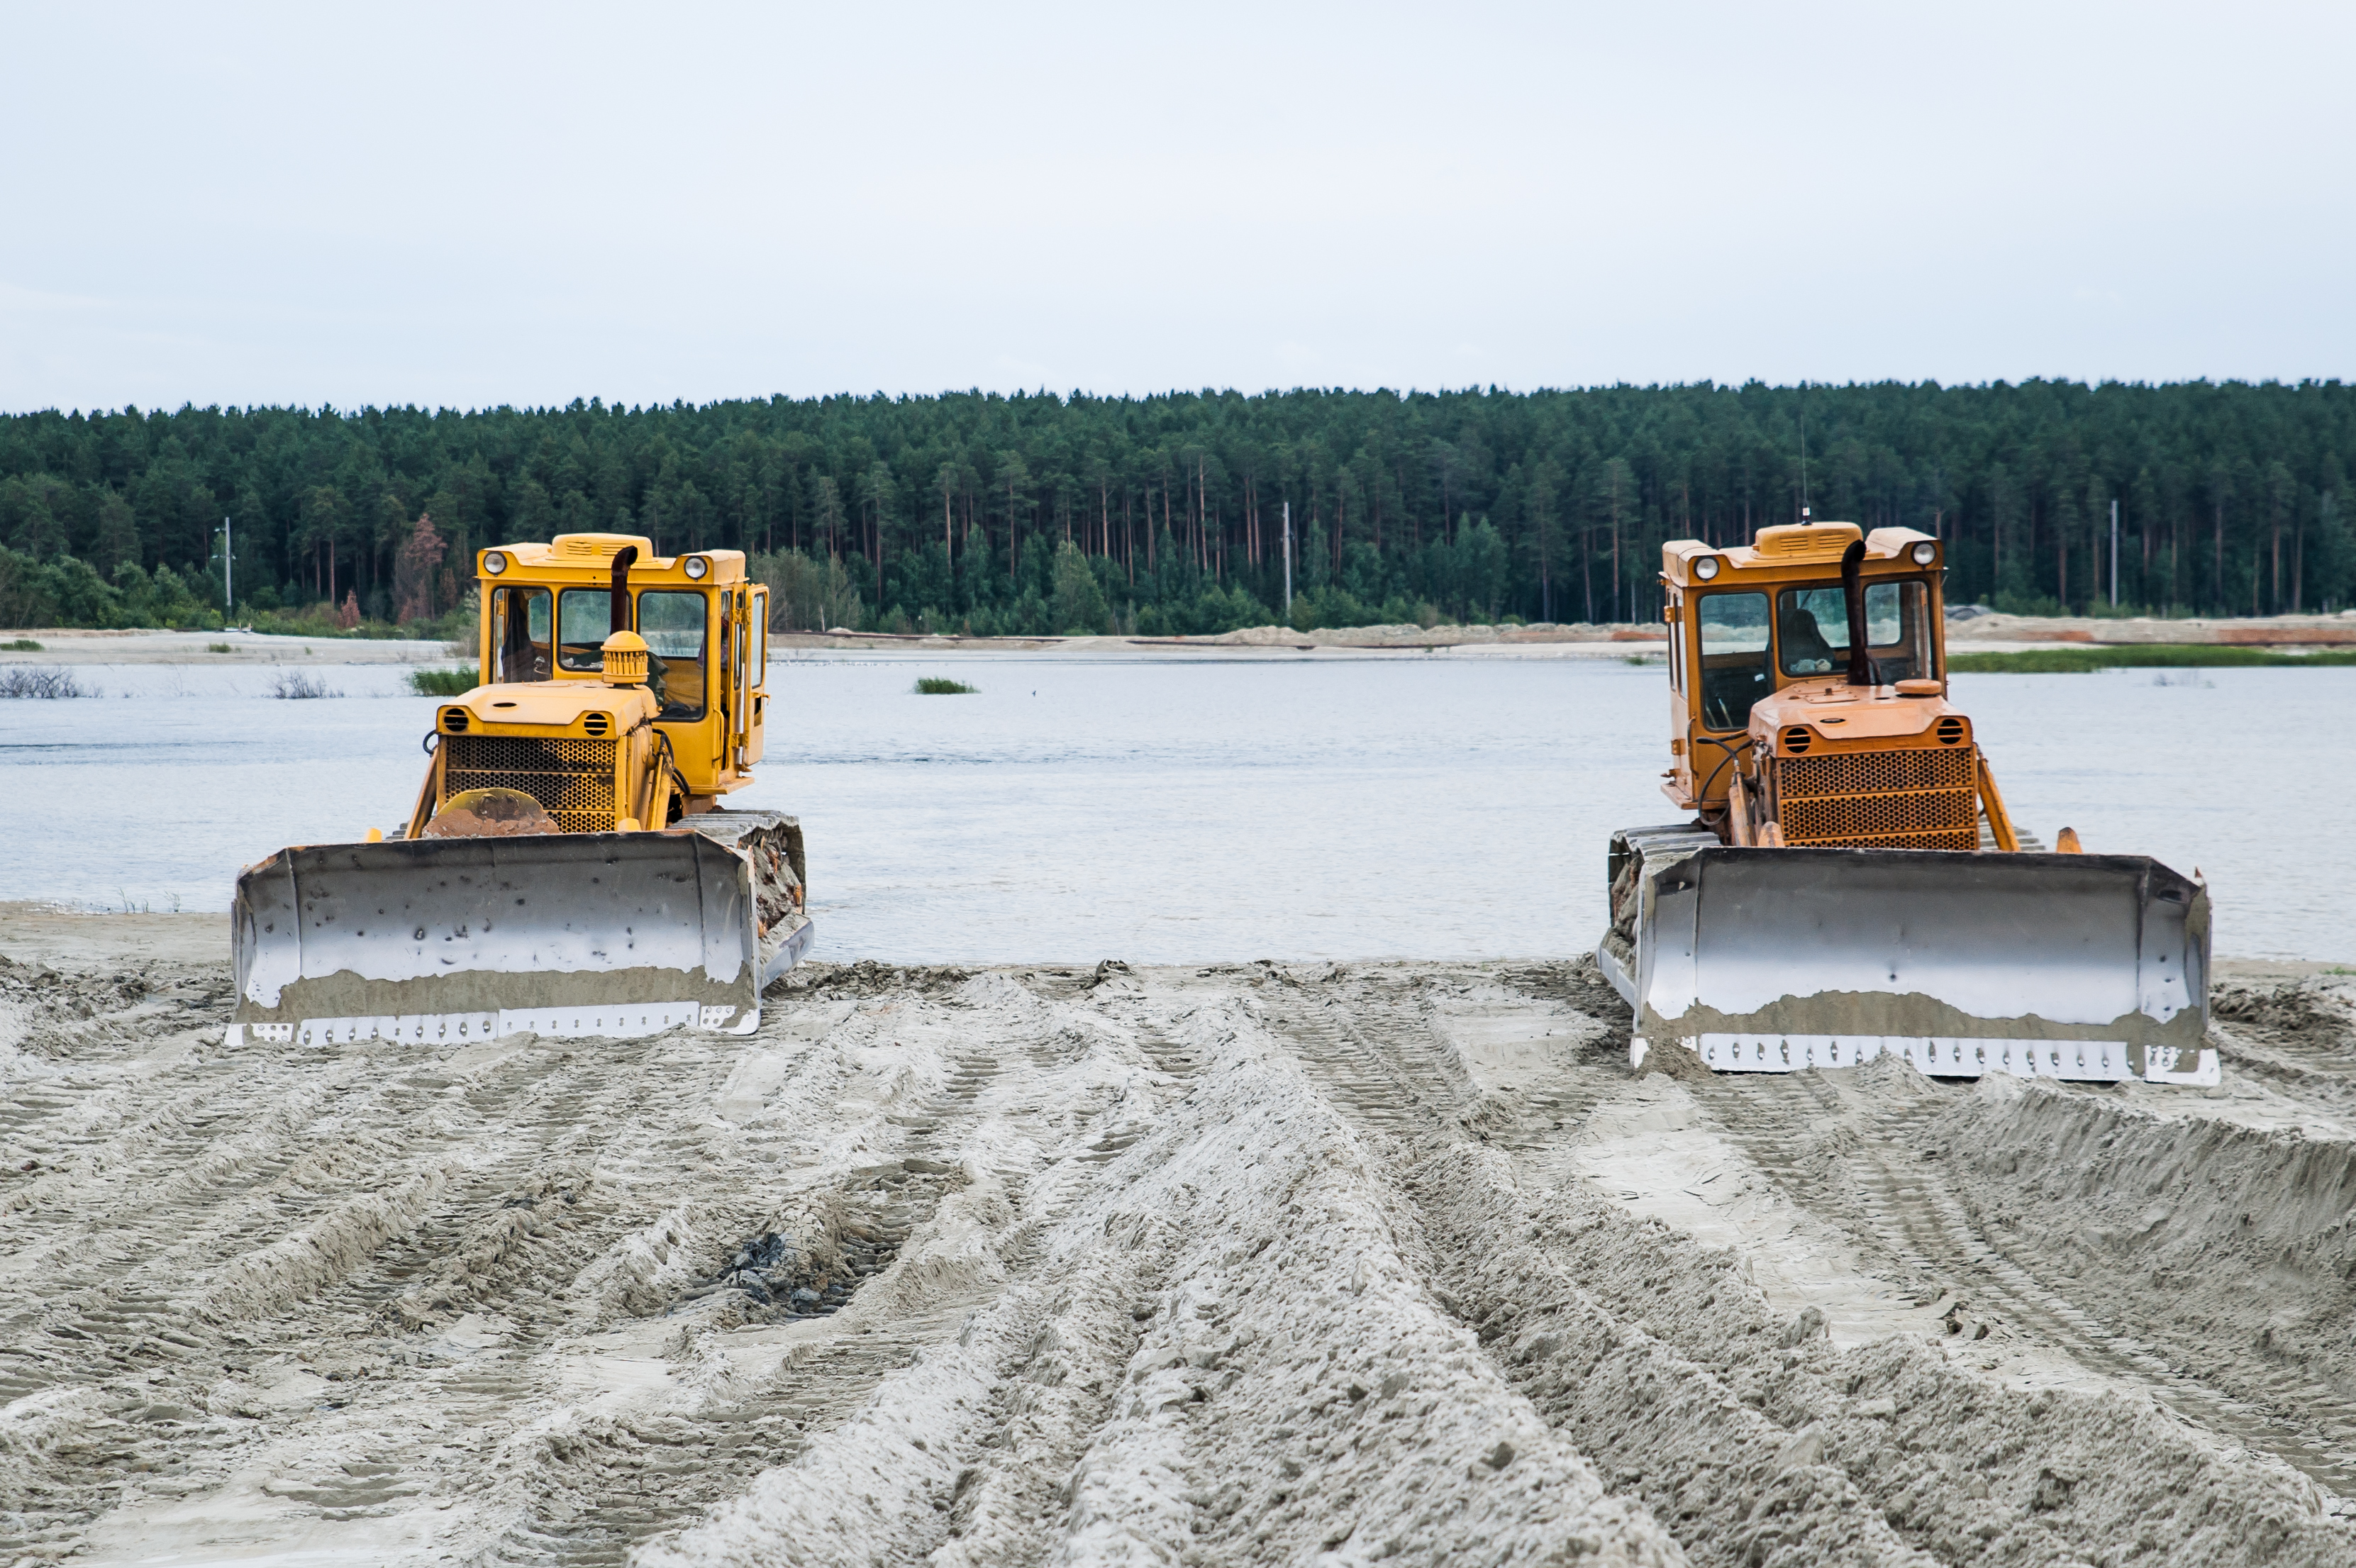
568 868
1850 884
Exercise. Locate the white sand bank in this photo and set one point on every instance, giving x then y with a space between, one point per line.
237 648
1238 1265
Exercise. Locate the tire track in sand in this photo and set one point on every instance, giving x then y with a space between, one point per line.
1811 1405
545 1366
619 1482
1915 1217
368 1168
648 1478
1383 1069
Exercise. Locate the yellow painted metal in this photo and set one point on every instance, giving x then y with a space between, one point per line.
661 766
2000 826
713 752
568 869
1829 905
1706 758
624 660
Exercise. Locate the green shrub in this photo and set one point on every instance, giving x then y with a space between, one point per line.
2081 657
441 682
22 645
941 686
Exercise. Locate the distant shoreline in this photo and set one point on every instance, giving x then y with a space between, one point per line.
1987 632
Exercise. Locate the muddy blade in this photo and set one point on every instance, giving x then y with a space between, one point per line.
574 934
2075 966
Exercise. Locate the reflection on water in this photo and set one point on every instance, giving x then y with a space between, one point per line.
1180 811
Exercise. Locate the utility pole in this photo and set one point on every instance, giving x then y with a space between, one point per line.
2115 552
1287 562
228 566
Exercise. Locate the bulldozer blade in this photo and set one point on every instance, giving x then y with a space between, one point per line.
2085 967
449 940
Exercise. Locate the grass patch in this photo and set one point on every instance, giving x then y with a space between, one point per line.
942 686
441 683
22 645
219 648
2077 659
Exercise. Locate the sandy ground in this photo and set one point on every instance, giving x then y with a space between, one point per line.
1993 633
2255 631
243 648
1259 643
1238 1265
1262 642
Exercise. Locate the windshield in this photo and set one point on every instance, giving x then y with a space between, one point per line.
1733 658
584 616
519 634
1812 631
673 623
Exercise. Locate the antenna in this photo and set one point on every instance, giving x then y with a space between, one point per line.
1804 452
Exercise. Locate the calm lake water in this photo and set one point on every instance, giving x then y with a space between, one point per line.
1182 812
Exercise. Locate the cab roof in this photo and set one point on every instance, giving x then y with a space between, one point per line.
1794 551
589 557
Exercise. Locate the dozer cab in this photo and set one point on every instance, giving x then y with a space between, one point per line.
568 869
1850 884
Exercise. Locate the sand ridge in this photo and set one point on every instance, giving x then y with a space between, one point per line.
1247 1264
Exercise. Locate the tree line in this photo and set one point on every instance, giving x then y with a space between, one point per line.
1036 513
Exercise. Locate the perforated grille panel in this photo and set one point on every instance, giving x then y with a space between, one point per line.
571 779
1875 772
1879 799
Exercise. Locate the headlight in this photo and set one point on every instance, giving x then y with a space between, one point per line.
1705 568
1924 551
493 562
697 566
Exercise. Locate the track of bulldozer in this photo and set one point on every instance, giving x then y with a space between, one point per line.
1243 1262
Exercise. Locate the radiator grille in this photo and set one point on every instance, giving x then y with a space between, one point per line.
1879 799
571 779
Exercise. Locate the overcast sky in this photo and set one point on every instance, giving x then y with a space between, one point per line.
485 204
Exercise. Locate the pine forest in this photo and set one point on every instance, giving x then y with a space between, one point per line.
1039 514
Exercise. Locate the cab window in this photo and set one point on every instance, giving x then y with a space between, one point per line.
672 622
1812 631
584 618
1733 629
519 644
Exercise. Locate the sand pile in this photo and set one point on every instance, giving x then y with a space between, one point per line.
1247 1265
